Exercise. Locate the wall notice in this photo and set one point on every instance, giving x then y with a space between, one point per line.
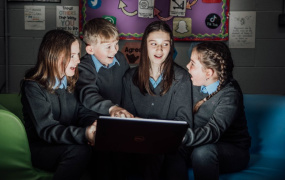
34 17
242 29
67 18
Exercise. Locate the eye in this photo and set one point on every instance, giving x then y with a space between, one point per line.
153 44
165 44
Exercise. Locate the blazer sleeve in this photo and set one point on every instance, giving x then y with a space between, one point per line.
88 91
182 101
223 116
127 99
49 129
86 117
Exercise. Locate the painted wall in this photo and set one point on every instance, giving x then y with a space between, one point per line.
260 70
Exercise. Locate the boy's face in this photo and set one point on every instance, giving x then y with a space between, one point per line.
105 52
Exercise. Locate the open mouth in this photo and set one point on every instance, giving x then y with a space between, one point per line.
73 68
110 57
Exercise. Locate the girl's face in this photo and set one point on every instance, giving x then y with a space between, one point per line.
74 59
197 71
158 46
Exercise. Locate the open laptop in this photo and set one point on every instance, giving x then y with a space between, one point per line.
135 135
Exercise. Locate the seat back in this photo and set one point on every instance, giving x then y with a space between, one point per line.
266 122
15 160
13 103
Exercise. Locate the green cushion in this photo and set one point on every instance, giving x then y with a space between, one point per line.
13 103
15 161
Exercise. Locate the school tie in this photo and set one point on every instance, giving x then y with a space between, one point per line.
204 90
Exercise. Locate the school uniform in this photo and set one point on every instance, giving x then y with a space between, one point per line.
176 104
100 87
220 141
55 124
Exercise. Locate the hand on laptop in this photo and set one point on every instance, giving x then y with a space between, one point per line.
116 111
91 132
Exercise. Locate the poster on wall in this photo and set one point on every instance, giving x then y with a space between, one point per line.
67 19
242 29
190 20
34 17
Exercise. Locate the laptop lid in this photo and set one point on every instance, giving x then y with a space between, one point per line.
135 135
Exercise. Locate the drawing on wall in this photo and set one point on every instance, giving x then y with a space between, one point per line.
190 20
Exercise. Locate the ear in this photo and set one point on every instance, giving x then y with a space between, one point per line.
209 73
89 49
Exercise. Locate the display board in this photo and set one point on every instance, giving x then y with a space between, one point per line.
190 20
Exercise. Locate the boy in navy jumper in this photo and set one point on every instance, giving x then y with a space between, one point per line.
101 70
99 86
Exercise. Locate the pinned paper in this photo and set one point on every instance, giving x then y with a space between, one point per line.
177 7
67 19
145 9
242 29
34 17
112 19
132 51
182 27
213 21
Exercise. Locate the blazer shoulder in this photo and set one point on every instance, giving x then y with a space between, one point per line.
180 72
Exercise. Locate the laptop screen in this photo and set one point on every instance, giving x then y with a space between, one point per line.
136 135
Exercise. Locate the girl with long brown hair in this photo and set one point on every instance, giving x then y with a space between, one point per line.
59 128
157 88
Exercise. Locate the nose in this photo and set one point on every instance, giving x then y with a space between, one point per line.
115 48
77 59
188 66
159 47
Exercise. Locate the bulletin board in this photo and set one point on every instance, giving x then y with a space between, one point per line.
203 20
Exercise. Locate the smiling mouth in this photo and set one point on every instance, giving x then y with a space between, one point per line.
158 56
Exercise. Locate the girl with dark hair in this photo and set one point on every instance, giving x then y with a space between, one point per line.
59 129
219 141
158 88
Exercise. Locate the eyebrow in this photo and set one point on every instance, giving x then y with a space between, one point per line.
155 40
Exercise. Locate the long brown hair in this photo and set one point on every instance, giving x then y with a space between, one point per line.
141 76
55 46
216 56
